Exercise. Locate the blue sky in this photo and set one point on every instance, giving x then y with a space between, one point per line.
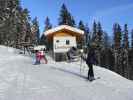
105 11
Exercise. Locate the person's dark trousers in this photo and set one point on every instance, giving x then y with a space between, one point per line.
90 72
68 55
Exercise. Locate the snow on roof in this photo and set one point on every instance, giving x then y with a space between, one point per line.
63 27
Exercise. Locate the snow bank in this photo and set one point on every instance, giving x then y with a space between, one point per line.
5 49
20 80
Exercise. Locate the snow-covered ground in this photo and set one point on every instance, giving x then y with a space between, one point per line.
20 80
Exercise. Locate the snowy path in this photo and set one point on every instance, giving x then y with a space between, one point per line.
20 80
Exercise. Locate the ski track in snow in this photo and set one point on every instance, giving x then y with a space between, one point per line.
20 80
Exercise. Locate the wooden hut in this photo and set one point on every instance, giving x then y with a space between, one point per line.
62 38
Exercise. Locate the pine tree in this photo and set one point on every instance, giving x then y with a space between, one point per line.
125 37
26 25
23 27
117 35
65 17
3 12
117 51
99 35
43 40
72 22
98 41
48 25
94 31
106 40
87 35
11 18
82 27
14 23
130 62
35 31
125 63
132 39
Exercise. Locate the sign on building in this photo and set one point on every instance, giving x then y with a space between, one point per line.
63 44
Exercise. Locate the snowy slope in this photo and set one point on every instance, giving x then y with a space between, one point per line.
20 80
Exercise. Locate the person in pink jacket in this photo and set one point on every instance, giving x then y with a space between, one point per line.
43 57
